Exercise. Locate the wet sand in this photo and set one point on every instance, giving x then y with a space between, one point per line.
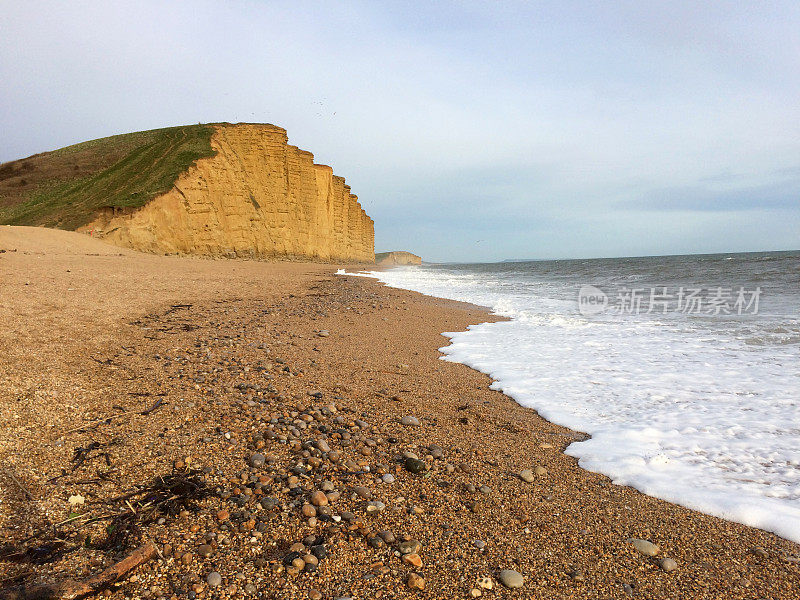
232 358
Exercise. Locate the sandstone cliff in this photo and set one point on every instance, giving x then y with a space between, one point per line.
257 197
398 257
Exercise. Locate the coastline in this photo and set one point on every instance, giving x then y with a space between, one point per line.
96 329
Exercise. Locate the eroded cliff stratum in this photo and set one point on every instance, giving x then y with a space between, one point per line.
257 197
250 194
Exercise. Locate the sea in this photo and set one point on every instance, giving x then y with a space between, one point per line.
684 370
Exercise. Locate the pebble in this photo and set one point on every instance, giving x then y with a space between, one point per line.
526 475
410 421
644 547
363 492
409 547
375 506
628 589
540 470
319 498
510 578
387 478
205 550
412 559
668 564
324 333
415 582
387 536
415 465
479 544
485 582
214 579
314 595
257 460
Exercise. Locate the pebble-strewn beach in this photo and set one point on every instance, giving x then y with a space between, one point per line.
277 431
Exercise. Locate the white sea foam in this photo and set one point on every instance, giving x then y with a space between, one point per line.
683 410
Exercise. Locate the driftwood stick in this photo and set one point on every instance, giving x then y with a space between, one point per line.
25 491
72 589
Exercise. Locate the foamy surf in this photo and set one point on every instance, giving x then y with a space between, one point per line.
682 407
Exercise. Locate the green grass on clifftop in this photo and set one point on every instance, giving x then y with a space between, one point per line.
65 188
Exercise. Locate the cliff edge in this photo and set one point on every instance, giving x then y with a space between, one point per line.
236 191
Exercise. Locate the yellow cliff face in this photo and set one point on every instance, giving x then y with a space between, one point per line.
258 197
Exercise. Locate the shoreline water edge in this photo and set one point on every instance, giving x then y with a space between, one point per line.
659 450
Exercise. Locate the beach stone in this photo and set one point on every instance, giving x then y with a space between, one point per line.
308 511
375 506
479 544
214 579
410 421
540 470
269 503
323 333
387 536
409 547
323 446
485 582
250 589
387 478
415 465
511 578
412 559
257 460
319 498
205 550
363 492
644 547
526 475
415 582
668 564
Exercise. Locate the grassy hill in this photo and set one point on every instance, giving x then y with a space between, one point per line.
65 188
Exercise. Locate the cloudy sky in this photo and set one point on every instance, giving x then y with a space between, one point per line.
470 131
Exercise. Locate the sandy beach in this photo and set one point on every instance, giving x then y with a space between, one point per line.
330 453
